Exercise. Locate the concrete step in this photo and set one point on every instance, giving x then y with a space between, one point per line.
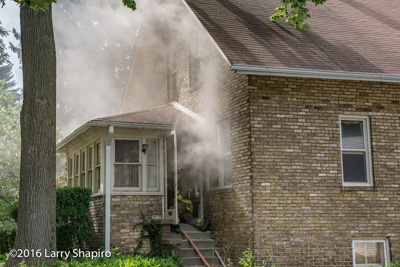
200 243
198 234
188 227
190 252
196 261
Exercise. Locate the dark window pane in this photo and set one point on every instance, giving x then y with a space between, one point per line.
127 151
98 153
76 164
83 159
227 169
354 168
82 182
90 157
70 167
352 135
90 176
214 177
126 176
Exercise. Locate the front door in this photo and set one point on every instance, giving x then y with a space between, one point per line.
171 174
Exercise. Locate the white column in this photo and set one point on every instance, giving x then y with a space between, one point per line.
108 188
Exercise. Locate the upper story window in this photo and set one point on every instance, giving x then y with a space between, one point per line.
171 76
135 169
194 65
368 253
356 151
220 174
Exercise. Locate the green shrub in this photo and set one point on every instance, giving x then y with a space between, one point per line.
74 224
73 220
13 210
126 260
7 236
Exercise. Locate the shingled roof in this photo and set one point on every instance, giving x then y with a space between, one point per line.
165 117
346 35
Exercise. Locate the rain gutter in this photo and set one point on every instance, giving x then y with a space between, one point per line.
311 73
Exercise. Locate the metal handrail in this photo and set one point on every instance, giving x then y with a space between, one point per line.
195 248
219 257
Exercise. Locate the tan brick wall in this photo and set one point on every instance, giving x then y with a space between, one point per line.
126 211
222 95
303 216
97 213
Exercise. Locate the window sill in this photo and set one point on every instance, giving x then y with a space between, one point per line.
137 193
225 188
359 188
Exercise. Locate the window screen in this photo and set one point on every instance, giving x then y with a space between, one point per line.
369 253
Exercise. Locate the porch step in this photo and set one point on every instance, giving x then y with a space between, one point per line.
196 261
203 242
200 243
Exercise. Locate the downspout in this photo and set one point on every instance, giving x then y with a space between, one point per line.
108 187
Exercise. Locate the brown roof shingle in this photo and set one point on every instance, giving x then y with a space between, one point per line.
163 115
345 35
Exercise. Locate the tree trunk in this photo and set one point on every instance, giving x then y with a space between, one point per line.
36 229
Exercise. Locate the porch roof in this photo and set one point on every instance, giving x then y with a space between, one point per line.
165 117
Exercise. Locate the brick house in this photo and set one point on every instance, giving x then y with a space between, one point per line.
291 135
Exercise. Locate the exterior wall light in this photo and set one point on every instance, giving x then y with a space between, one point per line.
144 147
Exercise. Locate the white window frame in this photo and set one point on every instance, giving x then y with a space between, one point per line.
385 248
142 189
140 164
366 150
97 166
91 168
83 172
71 171
221 156
77 169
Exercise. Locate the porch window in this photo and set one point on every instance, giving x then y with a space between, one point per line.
76 165
220 173
152 165
83 168
70 171
356 152
90 167
370 253
127 163
134 169
97 171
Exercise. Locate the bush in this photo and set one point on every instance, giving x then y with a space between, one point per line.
73 220
13 210
126 260
74 224
7 236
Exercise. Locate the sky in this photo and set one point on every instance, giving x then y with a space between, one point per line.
9 16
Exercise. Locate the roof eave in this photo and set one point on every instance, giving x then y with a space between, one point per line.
311 73
61 146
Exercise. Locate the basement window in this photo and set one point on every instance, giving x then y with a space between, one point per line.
356 151
368 253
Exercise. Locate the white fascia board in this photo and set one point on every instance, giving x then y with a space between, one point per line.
319 74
